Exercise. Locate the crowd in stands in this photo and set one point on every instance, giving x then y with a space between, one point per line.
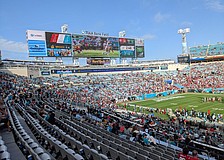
202 76
99 94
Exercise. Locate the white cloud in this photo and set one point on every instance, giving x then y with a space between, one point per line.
148 37
186 24
215 5
12 46
159 17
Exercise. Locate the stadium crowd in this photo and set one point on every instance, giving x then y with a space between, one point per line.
99 94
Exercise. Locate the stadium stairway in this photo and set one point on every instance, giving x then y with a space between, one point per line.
114 90
12 147
49 137
44 153
179 86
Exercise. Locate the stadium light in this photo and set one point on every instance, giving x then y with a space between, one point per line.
122 34
183 32
64 28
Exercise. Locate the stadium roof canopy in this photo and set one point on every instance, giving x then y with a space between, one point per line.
15 61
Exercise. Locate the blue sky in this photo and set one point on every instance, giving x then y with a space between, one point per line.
157 21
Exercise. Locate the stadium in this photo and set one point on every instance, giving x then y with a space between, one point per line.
140 110
119 104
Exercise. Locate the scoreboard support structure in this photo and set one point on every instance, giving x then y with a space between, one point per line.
58 59
123 61
75 61
39 58
112 61
134 60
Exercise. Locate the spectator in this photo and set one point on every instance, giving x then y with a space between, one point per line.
51 118
184 155
194 155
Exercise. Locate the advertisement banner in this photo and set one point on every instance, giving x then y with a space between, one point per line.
183 59
95 46
35 35
139 43
65 71
140 53
45 73
94 61
127 48
58 44
36 43
36 48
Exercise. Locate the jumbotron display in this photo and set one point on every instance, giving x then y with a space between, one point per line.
95 46
51 44
58 44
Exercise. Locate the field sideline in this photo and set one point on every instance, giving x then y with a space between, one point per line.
186 100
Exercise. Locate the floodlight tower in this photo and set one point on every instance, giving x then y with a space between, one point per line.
122 34
184 45
183 32
64 28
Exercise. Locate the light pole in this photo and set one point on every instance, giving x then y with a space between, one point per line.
183 32
185 52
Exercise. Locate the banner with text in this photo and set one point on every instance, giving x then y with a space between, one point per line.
98 61
36 43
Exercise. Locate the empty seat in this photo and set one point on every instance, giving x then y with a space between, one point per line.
29 141
154 156
89 141
125 144
45 156
168 156
113 153
39 151
78 145
104 148
172 154
2 142
143 152
157 152
117 141
3 148
86 151
5 155
141 157
122 156
94 154
107 142
114 145
134 148
78 157
33 145
95 143
122 149
131 153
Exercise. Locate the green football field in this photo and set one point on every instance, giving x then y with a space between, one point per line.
97 53
188 101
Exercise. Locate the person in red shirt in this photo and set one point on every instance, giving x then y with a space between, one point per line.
194 155
184 155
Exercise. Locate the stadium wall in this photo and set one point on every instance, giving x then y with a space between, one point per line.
22 71
33 73
172 67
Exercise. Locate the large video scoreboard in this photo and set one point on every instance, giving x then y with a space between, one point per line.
52 44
